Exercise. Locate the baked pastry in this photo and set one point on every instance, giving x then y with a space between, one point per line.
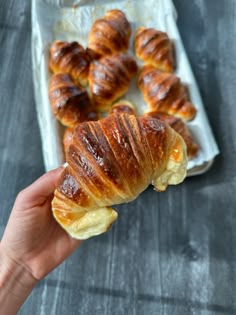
111 161
179 126
123 107
109 79
164 92
154 48
70 103
67 138
69 58
109 34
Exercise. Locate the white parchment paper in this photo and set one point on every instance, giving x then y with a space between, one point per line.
71 20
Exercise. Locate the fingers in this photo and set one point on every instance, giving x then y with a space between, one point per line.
41 189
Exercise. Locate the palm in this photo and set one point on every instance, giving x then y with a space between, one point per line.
40 243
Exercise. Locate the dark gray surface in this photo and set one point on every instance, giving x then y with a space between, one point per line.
169 253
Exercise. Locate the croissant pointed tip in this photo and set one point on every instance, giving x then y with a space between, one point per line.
90 223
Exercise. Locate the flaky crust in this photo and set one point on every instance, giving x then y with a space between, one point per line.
112 161
123 107
109 34
179 126
164 92
154 48
109 79
69 58
70 103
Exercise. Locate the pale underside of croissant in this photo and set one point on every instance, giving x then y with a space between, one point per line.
154 48
110 34
109 79
111 161
179 126
70 58
70 103
164 92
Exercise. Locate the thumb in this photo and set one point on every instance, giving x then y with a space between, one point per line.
39 191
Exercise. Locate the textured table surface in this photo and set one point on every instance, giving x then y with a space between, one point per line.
169 253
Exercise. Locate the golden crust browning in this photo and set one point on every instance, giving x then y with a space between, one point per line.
112 161
154 48
70 103
109 34
123 107
164 92
179 126
69 58
109 79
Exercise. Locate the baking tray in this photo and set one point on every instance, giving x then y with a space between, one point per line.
71 20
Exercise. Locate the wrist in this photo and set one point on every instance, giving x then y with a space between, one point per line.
16 283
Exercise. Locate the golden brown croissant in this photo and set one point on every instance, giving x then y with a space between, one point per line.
164 92
110 34
109 79
123 107
111 161
154 48
70 103
179 126
69 58
67 138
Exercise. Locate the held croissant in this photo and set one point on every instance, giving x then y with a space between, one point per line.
69 58
179 126
70 103
109 79
154 48
109 34
111 161
164 92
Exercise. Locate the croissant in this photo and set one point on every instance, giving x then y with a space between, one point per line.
179 126
154 48
109 79
69 58
110 34
67 138
164 92
111 161
70 103
124 107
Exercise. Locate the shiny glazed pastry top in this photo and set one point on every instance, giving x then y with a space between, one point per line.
109 34
109 79
70 58
164 92
123 107
70 103
181 127
111 161
154 48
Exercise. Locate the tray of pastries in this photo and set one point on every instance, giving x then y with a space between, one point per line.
117 104
114 57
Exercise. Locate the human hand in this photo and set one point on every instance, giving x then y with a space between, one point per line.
33 243
33 238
